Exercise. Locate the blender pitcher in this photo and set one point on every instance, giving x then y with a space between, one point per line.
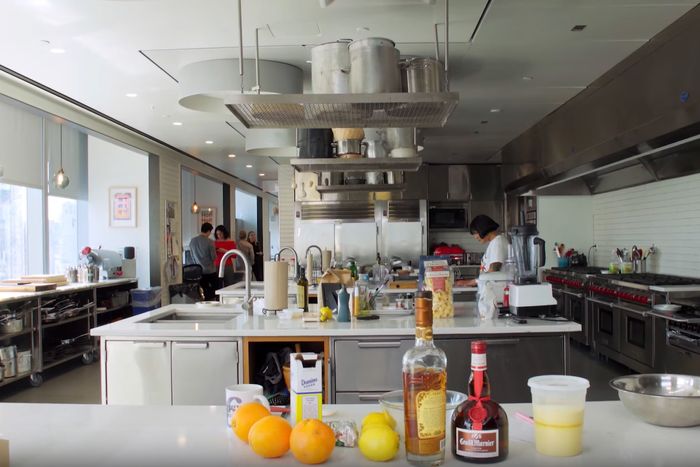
528 253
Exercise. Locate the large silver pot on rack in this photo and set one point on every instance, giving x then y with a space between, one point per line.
374 65
330 68
11 322
424 74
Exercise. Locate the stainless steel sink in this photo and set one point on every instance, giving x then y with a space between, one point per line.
176 316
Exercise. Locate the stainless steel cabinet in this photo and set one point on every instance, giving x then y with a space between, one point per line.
368 366
138 373
448 183
511 361
201 371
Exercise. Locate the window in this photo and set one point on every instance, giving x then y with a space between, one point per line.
63 233
20 235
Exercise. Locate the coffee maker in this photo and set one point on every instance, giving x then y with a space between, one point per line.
528 297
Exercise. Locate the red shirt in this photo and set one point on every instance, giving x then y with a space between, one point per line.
226 245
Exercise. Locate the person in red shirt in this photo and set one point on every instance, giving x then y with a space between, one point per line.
223 243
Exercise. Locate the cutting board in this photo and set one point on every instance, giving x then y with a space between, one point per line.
53 278
25 287
402 284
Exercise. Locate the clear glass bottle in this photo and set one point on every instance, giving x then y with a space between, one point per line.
479 425
424 391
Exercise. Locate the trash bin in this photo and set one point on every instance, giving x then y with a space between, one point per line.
143 300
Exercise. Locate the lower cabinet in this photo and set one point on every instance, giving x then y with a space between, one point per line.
168 372
364 369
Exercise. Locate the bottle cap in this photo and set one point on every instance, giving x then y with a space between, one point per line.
424 316
478 347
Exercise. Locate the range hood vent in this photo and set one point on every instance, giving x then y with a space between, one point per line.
331 211
406 211
385 110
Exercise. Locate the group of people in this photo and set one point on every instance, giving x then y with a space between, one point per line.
208 254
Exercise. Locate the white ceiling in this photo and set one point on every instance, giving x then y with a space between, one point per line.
114 47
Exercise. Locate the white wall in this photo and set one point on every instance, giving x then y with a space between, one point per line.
210 194
665 213
246 212
112 165
567 220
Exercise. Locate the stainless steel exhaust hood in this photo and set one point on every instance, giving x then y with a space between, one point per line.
638 123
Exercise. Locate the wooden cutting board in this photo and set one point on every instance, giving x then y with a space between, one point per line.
24 287
54 278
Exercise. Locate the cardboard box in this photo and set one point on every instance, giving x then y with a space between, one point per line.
306 373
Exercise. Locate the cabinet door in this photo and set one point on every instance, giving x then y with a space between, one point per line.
512 361
370 365
138 373
438 183
458 183
202 370
458 352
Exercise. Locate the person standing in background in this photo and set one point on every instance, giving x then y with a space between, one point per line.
258 254
245 246
204 253
223 243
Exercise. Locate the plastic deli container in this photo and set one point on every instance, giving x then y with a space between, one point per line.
557 407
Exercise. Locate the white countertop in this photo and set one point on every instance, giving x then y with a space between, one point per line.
77 287
76 435
238 289
466 322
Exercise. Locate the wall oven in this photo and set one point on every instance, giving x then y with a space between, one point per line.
606 326
576 311
637 333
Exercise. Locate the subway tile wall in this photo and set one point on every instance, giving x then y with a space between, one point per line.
285 176
665 213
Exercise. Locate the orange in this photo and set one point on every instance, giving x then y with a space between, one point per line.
269 436
312 442
245 417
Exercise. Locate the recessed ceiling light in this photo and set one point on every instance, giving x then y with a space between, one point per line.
262 175
231 156
131 94
209 142
248 166
527 78
484 122
177 123
57 50
308 61
578 27
362 29
495 111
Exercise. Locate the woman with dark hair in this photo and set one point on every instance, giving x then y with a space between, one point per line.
485 230
223 243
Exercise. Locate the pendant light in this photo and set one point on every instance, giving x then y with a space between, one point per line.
61 180
195 206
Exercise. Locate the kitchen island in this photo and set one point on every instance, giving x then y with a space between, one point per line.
114 436
187 354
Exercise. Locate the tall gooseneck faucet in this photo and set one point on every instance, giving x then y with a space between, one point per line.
222 266
306 254
296 258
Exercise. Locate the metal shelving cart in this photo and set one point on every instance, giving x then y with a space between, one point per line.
24 339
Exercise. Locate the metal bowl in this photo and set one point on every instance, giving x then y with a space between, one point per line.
661 399
667 307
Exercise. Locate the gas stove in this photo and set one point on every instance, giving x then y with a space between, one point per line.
648 279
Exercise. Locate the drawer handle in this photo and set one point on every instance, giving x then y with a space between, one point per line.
369 397
502 341
192 345
378 345
150 345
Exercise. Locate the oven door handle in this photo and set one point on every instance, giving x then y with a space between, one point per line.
630 310
599 302
572 294
678 336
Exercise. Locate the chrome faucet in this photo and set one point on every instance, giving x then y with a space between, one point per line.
306 254
296 258
222 266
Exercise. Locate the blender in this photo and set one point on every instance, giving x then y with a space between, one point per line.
528 297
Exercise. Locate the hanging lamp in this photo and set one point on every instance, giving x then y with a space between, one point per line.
195 206
60 179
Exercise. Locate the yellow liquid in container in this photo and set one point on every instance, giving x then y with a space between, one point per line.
558 430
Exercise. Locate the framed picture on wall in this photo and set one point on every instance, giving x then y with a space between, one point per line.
207 215
122 206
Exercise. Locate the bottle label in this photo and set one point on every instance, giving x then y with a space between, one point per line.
481 444
301 296
478 362
430 413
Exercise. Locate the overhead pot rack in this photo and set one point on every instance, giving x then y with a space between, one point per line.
382 110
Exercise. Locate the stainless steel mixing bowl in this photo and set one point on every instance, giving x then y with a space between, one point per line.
661 399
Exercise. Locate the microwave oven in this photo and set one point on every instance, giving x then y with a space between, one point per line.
448 217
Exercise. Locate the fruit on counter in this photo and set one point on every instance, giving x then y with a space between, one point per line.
326 313
269 436
245 417
312 441
379 418
379 442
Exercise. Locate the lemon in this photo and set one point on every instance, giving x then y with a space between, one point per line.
325 313
379 417
379 443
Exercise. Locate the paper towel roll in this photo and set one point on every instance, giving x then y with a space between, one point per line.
275 289
325 260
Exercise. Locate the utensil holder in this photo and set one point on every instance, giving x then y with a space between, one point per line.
563 262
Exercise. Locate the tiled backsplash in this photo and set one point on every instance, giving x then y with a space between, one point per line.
665 213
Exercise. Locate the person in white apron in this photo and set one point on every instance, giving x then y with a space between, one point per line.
485 230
